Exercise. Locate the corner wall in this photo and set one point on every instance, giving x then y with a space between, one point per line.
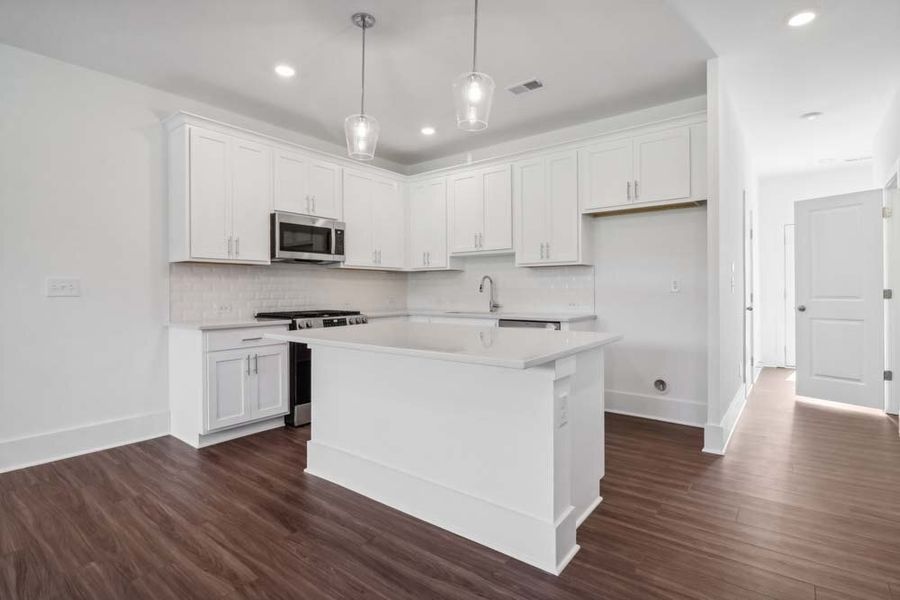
730 176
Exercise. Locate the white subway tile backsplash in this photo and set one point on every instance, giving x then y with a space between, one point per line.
209 291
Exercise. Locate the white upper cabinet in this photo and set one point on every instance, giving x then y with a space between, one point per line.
653 169
481 210
220 197
549 221
374 217
607 174
662 166
252 200
428 225
306 186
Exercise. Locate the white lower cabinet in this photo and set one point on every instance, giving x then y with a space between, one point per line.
225 383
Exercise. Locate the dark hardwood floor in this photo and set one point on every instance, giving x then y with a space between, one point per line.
805 506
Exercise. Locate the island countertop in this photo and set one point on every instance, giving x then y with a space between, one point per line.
512 348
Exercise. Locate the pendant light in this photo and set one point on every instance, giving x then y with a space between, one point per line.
473 92
362 129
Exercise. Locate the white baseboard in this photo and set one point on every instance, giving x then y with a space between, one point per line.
522 536
717 435
65 443
658 408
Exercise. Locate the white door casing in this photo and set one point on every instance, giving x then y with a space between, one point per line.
839 288
790 313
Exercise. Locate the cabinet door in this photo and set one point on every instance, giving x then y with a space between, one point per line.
497 194
290 182
531 207
325 189
607 174
269 382
210 194
466 212
227 388
663 166
251 200
359 246
387 215
428 224
564 218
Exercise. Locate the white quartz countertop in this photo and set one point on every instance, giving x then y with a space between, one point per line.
226 324
512 348
518 316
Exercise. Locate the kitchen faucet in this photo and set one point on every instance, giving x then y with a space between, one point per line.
493 304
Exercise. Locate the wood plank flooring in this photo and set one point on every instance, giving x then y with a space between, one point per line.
805 506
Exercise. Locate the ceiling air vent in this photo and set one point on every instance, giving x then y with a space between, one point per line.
525 86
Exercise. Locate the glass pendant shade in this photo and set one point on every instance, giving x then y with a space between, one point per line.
472 94
362 136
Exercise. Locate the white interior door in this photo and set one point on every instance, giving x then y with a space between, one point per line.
790 314
840 310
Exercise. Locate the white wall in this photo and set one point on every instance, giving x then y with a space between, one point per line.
82 194
777 195
887 144
730 176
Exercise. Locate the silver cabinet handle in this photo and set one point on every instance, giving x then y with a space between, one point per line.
548 249
314 203
253 339
636 194
228 243
428 256
801 308
628 190
237 246
256 363
542 250
248 364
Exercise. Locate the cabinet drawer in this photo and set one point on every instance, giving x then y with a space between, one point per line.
227 339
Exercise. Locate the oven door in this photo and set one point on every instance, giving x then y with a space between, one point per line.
299 237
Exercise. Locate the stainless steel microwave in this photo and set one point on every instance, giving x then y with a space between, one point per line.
304 238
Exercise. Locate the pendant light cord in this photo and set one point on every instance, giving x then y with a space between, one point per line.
362 98
475 41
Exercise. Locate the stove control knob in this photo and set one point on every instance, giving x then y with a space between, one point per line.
363 319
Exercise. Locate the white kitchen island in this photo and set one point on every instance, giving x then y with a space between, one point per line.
494 434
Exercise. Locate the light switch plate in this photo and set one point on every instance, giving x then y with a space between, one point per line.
60 287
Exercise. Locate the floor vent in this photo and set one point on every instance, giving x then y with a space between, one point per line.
525 86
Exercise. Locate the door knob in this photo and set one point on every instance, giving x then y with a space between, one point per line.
750 309
801 308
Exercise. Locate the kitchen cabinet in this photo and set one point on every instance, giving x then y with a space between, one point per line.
374 215
220 197
226 382
651 169
305 185
428 225
550 225
481 211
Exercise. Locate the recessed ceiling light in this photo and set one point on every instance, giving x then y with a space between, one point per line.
811 116
802 18
428 130
286 71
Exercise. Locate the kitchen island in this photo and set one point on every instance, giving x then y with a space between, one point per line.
494 434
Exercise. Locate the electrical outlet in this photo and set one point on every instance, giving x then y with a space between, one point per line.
63 287
676 287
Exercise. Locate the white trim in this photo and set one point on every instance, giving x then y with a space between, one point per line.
508 531
657 408
716 436
65 443
584 515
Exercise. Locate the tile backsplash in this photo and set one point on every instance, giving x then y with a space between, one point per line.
208 292
204 292
545 289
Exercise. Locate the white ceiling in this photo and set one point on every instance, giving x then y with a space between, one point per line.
595 57
845 65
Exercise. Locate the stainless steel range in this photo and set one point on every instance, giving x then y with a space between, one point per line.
301 356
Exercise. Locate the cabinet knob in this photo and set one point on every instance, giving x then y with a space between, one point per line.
801 308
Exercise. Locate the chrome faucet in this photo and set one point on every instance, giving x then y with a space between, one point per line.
493 304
